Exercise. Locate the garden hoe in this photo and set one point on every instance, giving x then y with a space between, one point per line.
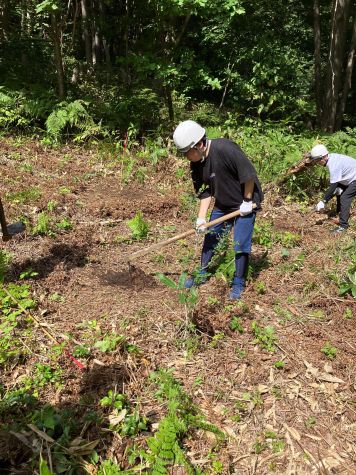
12 229
158 245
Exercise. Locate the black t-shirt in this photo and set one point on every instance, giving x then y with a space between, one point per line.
223 174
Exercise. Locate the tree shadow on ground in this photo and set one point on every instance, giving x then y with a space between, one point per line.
79 415
258 263
71 255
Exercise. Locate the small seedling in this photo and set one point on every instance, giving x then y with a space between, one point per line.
43 226
266 337
216 339
28 274
347 313
279 364
235 325
65 224
56 297
310 422
329 350
241 353
260 288
81 351
52 205
109 343
139 227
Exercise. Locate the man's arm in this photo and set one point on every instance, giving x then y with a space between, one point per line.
249 187
204 206
5 234
330 192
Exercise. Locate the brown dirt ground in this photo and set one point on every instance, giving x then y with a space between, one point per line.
87 267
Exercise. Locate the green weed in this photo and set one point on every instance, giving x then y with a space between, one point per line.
265 337
109 343
5 261
139 227
329 351
279 364
263 234
43 226
28 274
25 196
12 319
348 313
126 423
65 224
236 325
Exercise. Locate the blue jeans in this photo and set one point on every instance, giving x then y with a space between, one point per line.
243 230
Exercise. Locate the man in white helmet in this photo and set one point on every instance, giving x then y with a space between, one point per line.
220 169
342 170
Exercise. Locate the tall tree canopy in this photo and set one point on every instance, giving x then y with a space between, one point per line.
129 60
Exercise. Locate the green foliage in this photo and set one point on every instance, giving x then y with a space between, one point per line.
265 336
263 234
127 423
44 470
236 325
187 297
28 274
27 196
72 116
43 225
12 318
108 467
139 227
109 343
5 261
165 448
329 350
65 224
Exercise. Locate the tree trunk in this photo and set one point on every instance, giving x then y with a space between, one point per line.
335 64
4 20
58 58
170 103
348 77
87 41
317 62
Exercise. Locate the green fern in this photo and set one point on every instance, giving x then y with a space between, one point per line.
165 448
67 114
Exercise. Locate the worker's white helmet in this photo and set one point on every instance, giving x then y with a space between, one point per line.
188 134
318 151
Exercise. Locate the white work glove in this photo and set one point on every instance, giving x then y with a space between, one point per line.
200 229
338 191
245 208
320 206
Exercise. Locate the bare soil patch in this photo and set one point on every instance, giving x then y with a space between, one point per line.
309 404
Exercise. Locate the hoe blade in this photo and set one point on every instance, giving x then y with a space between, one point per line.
16 228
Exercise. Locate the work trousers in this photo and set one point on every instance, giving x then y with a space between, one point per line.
345 204
243 230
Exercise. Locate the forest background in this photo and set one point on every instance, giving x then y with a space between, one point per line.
104 67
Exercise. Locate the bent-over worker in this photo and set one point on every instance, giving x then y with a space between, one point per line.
342 170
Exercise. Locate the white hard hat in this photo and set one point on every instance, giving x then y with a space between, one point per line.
318 151
187 134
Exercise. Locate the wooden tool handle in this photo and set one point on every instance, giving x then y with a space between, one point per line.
158 245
